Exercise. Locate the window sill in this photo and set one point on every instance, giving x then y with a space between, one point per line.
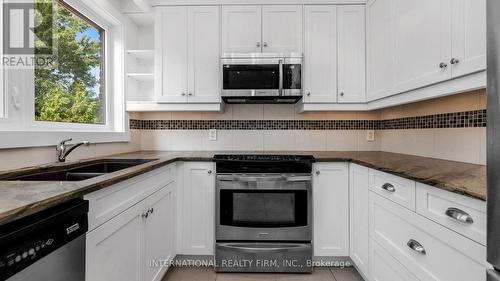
22 139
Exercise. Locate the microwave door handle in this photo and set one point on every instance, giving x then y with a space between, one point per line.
280 83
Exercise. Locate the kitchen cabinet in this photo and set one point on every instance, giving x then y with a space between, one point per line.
257 28
190 43
282 28
351 54
320 53
421 43
331 210
196 209
358 209
123 247
414 44
468 37
379 64
384 267
114 250
159 232
241 29
426 249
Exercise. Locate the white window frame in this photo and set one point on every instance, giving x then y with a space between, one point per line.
19 128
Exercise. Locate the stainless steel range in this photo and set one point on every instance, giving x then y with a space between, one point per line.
263 213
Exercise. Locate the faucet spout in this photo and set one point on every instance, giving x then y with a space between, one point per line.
62 150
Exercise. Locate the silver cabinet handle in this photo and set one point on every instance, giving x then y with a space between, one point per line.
459 215
209 172
341 94
151 210
415 246
183 94
308 94
388 187
265 44
145 215
443 65
190 94
258 44
318 172
454 61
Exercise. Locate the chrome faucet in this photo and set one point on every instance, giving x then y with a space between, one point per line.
62 151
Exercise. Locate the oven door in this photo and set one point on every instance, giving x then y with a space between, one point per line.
257 77
263 207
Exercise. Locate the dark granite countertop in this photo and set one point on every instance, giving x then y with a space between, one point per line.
22 198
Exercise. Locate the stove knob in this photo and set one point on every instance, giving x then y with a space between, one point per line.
25 255
31 251
18 258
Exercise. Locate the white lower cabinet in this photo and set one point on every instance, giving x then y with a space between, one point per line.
426 249
331 209
196 201
384 267
125 247
358 210
159 232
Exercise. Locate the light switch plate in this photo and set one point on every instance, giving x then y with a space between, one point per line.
212 135
370 135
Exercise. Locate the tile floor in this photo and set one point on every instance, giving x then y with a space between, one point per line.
208 274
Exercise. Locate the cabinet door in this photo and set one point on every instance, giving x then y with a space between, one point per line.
469 36
204 54
379 55
282 28
196 213
422 36
241 29
358 190
351 53
331 209
114 250
175 61
320 52
159 232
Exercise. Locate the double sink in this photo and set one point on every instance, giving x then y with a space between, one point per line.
73 171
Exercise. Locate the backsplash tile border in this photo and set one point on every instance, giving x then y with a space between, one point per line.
464 119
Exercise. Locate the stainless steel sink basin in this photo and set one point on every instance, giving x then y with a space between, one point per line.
75 172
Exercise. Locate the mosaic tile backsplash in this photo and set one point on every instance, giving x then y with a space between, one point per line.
465 119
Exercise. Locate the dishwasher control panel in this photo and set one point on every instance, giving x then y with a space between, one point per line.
26 241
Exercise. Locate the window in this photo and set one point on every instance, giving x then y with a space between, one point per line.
74 90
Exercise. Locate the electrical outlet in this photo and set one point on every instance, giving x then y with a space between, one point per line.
370 135
212 135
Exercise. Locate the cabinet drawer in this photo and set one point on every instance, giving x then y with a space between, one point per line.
394 188
429 250
384 267
108 202
462 214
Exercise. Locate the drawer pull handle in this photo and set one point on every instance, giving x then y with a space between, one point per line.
459 215
415 246
388 187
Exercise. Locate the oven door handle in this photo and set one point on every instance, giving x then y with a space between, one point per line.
270 178
277 249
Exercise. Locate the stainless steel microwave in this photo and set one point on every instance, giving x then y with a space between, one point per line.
261 78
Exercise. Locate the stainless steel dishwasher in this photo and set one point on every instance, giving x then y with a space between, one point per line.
49 245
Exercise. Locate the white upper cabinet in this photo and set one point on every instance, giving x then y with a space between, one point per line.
190 40
414 44
241 29
421 43
351 53
468 36
379 49
320 53
174 59
282 28
204 53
